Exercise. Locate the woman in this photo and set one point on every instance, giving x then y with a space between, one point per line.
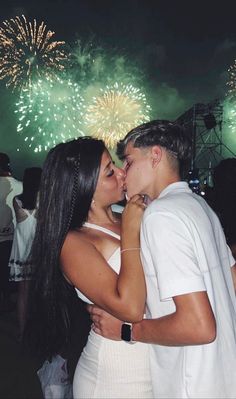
20 265
78 242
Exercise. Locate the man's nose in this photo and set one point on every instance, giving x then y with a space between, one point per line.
121 173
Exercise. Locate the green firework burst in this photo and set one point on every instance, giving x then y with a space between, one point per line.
49 111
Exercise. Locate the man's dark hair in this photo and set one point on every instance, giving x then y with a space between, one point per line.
166 134
4 162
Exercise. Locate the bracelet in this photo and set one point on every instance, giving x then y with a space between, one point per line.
130 249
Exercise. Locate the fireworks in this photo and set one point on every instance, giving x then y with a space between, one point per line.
230 116
116 110
49 112
50 108
232 80
230 102
27 51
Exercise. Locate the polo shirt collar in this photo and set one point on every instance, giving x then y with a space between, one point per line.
179 186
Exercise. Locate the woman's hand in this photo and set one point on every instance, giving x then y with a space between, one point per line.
131 218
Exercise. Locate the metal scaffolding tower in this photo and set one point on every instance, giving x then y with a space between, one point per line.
204 124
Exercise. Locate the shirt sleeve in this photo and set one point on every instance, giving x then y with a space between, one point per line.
172 253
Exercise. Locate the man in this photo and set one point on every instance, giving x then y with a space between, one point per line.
191 308
9 187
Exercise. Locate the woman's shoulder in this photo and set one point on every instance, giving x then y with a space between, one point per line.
76 248
78 239
88 239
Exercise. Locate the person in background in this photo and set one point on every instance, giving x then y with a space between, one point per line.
80 244
25 206
190 273
224 198
9 188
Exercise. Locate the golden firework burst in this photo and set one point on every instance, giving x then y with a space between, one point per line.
27 50
115 111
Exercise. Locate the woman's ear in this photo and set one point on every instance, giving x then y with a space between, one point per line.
156 154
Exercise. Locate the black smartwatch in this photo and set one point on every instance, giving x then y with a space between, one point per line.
126 332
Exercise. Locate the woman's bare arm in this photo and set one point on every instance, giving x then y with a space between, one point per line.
122 295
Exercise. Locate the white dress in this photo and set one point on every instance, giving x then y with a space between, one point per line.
112 369
20 266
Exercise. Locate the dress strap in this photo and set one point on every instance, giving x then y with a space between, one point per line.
103 229
28 213
34 212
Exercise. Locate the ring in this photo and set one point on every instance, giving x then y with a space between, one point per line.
145 199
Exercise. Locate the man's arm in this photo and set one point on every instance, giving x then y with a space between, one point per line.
192 323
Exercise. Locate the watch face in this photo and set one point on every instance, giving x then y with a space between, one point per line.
126 332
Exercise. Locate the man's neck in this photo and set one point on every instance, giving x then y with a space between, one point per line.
168 182
161 184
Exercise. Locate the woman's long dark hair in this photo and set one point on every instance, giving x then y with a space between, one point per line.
68 182
31 182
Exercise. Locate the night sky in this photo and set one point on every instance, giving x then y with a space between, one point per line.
184 48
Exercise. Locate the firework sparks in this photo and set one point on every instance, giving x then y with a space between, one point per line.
230 117
232 80
230 102
115 111
49 112
27 51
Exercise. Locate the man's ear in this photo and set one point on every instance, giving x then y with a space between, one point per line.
156 155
